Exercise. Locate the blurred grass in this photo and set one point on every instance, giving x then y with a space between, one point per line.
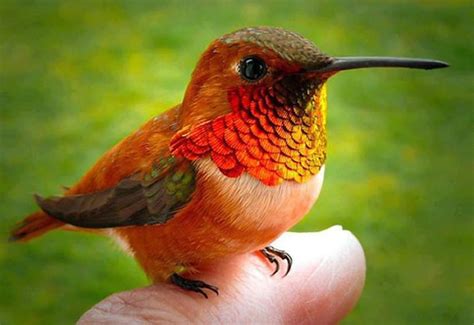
75 77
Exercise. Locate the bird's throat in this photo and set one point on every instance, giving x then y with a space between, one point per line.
275 134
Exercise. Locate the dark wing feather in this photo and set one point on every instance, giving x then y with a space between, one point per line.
151 199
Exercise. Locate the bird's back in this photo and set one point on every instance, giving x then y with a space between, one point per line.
132 155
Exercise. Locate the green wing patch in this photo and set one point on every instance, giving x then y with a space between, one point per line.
137 200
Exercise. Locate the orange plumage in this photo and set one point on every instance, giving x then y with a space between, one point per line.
237 163
269 140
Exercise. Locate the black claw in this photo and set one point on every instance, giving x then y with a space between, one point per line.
193 285
270 252
277 268
289 261
271 259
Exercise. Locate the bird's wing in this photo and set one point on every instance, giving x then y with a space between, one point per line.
147 199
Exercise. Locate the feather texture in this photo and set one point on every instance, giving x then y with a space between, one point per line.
274 134
137 200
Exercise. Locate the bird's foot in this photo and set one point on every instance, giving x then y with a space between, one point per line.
193 285
271 253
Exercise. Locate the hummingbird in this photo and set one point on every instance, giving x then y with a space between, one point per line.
238 162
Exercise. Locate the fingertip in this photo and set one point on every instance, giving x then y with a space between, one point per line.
348 272
329 274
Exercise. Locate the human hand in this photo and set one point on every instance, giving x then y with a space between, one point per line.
324 284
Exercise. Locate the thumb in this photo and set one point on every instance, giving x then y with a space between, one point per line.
328 279
324 284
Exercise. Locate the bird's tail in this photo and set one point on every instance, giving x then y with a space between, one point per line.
33 226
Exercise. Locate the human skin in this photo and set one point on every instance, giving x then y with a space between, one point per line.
324 284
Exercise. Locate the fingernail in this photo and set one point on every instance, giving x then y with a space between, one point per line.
335 228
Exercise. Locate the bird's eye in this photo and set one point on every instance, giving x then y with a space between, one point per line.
252 68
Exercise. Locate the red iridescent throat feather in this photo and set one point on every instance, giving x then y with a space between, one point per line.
274 134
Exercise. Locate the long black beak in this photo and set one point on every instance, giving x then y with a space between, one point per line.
347 63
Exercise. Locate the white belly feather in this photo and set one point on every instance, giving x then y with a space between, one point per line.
266 207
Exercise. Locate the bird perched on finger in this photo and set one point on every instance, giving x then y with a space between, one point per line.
239 161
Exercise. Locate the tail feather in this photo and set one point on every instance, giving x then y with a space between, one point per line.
33 226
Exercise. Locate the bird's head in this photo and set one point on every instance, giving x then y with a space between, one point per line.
269 58
257 98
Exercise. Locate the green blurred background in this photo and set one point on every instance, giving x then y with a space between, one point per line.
77 76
